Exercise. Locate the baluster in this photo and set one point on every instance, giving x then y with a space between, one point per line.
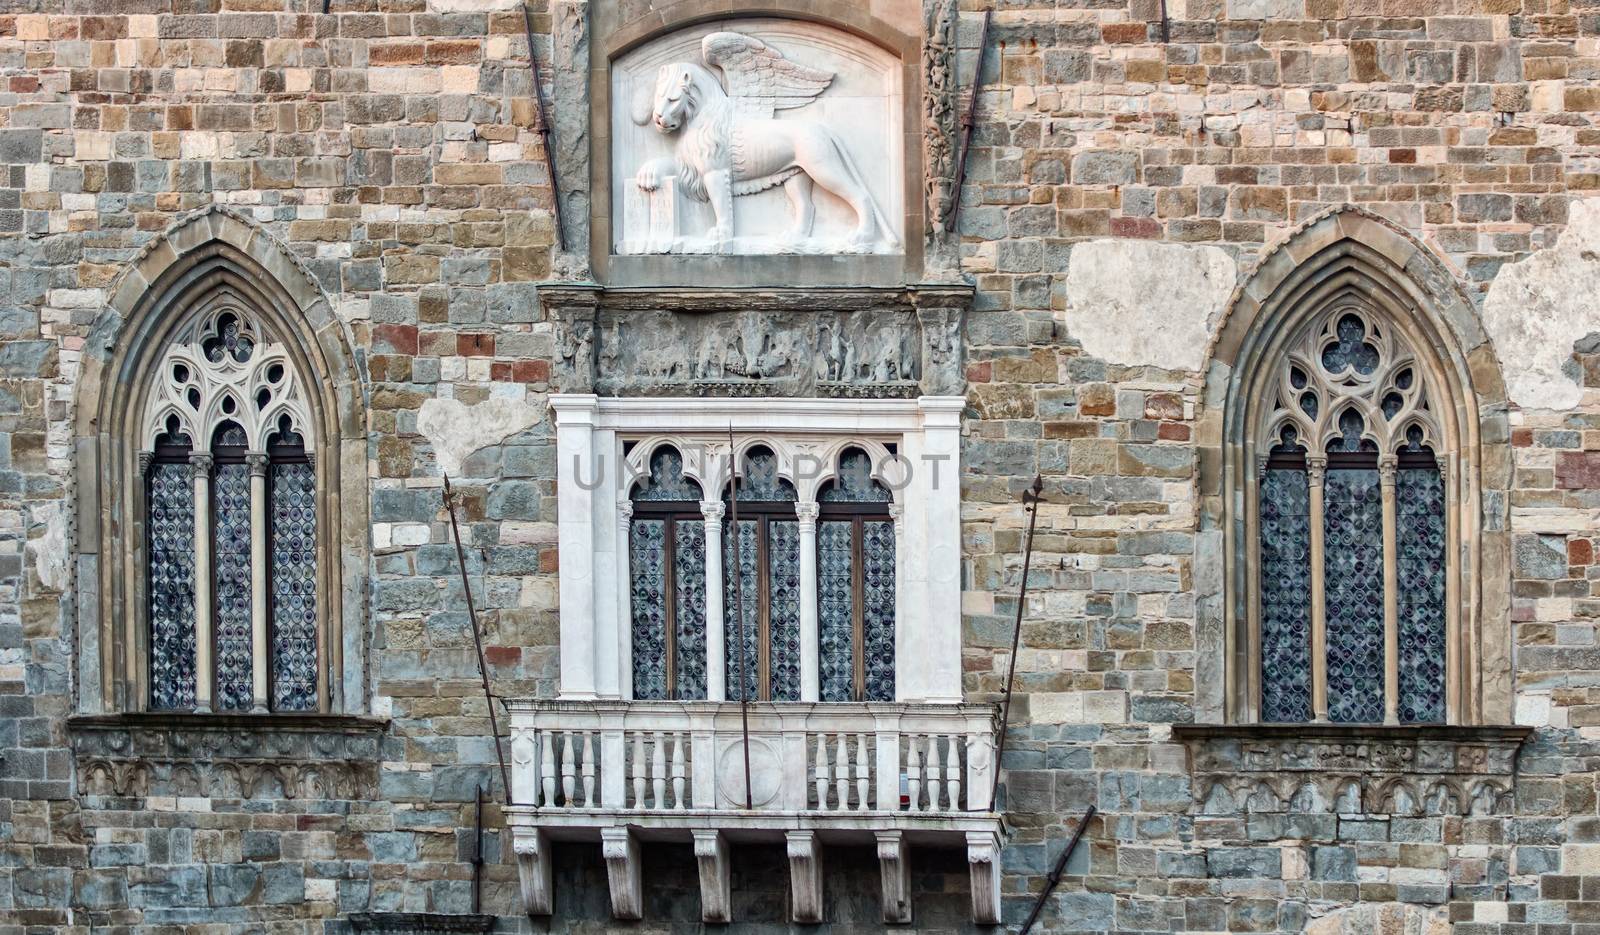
677 769
952 774
547 766
658 772
821 771
914 771
588 770
638 769
863 779
933 772
841 771
568 768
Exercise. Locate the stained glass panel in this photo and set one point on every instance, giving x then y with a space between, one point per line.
647 563
745 567
877 614
293 551
1350 350
689 585
836 609
666 481
231 560
1353 503
854 483
1285 596
1420 544
172 638
783 594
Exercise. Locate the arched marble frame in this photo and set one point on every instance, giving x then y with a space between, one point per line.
705 460
618 28
207 252
1349 251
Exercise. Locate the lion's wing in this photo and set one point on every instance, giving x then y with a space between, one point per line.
760 79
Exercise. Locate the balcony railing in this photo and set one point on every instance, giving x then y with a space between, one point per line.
622 772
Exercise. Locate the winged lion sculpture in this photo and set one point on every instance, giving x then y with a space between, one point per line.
729 143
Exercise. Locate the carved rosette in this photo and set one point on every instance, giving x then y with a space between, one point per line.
1346 769
220 756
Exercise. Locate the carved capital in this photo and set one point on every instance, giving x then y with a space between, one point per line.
1316 470
713 511
257 462
806 514
200 463
146 458
1388 465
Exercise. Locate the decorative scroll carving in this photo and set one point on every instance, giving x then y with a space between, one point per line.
871 343
621 852
1313 769
226 756
534 869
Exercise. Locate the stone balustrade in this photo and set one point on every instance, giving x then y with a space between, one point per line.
872 773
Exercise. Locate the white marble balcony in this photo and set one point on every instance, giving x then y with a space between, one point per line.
891 775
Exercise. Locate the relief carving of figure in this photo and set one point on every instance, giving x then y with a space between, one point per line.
729 144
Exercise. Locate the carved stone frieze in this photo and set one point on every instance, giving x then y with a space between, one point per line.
1352 769
940 87
843 344
227 756
569 121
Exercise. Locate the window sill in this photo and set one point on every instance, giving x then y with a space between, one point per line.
1352 768
183 754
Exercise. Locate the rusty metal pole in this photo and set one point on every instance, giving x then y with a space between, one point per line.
477 640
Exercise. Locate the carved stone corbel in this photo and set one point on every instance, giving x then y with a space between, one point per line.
805 875
895 867
983 863
572 312
621 852
532 847
716 891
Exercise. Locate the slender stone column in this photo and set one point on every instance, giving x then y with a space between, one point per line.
625 597
1316 470
258 578
200 466
810 628
1387 466
716 621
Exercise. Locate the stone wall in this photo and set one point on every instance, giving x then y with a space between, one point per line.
389 144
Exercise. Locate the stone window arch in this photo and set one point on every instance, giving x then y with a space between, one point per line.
220 426
1353 532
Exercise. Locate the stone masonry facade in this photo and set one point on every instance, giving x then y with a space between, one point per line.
1131 162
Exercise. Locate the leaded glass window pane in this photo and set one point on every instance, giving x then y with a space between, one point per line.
666 481
1353 504
783 595
1420 531
647 563
759 481
742 572
231 559
877 612
854 483
689 580
293 550
171 582
1285 596
836 608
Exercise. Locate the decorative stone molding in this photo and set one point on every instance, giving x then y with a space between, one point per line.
621 852
983 865
239 756
894 867
1352 769
805 876
534 870
716 891
846 343
419 923
940 103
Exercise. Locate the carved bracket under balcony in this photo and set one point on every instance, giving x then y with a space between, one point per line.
239 756
1352 769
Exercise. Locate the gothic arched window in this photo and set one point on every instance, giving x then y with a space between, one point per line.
231 523
856 583
1352 526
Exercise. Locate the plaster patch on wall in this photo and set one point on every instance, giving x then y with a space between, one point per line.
1539 306
456 430
49 551
1139 302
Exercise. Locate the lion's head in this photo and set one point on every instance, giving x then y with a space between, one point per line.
680 89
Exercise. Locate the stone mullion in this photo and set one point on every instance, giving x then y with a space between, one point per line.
716 619
1387 466
625 598
1457 710
200 466
810 626
258 578
1316 470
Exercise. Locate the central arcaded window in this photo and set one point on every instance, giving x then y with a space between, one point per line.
1352 527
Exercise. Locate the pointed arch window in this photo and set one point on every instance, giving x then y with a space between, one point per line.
1351 528
856 583
231 523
